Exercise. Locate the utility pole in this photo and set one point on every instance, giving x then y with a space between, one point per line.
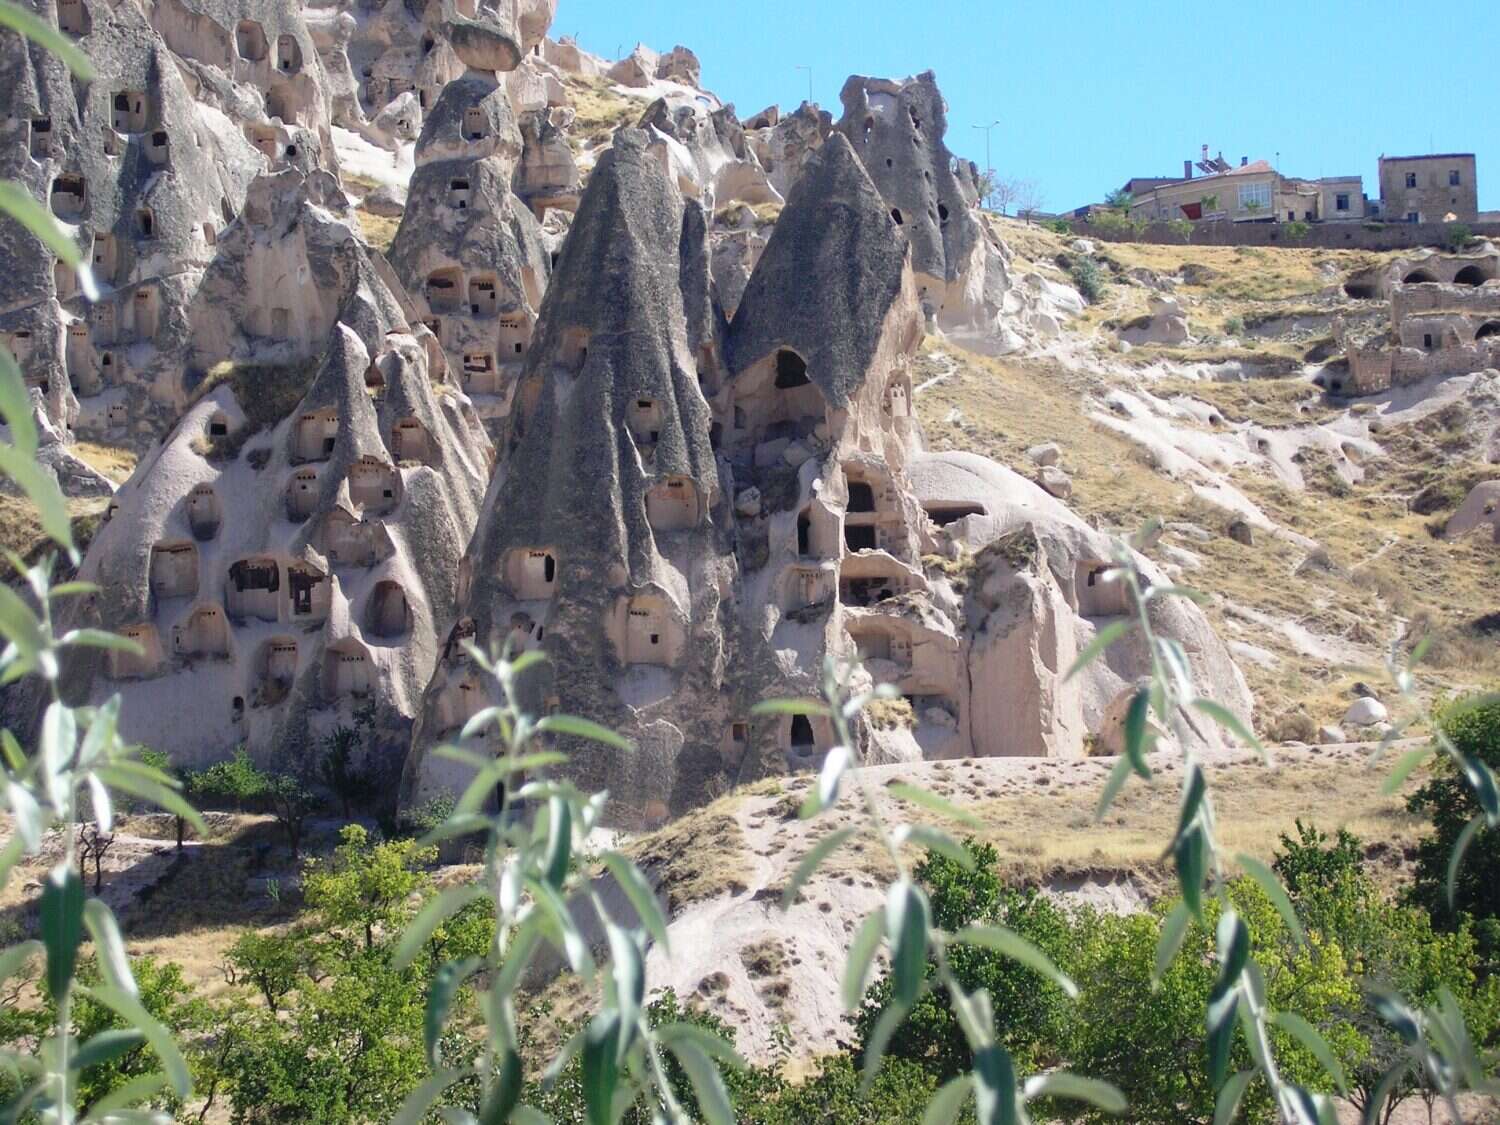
989 169
809 83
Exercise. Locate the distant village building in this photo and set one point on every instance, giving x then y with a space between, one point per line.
1444 320
1438 188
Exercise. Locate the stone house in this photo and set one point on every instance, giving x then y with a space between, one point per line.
1252 192
1429 189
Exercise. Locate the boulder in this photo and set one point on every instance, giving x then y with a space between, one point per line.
1055 481
388 201
747 502
1365 712
1329 735
1241 532
1048 453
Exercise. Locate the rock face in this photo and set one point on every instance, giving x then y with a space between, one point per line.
288 554
145 179
468 250
605 535
1479 511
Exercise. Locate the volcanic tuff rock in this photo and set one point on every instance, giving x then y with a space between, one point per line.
288 553
605 536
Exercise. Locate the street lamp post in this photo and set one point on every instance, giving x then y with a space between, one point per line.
809 82
989 169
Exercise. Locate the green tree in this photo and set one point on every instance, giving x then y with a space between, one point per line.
367 886
238 783
1448 802
1119 200
1149 1038
1030 1010
273 963
1388 948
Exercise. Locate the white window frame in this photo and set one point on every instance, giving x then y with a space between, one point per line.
1255 193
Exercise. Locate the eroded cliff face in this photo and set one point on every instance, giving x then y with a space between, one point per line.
534 424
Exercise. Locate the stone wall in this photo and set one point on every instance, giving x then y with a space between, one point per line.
1325 236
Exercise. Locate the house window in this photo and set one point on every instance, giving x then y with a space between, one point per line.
1427 341
1413 217
1411 179
1255 197
1453 178
1341 202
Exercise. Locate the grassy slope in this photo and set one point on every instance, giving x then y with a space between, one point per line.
1387 565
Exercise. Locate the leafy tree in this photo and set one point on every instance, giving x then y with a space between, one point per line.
1473 727
1389 948
1030 1010
291 803
1150 1039
1457 236
344 768
273 963
238 782
346 1049
1119 200
367 886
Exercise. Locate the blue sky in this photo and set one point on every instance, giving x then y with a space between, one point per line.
1088 94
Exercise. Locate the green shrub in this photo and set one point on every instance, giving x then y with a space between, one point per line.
1473 726
1181 228
1088 279
1297 230
1059 226
1457 236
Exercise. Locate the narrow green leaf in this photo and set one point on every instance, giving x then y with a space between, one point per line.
24 22
419 1102
935 839
811 861
505 1092
601 1068
1309 1036
1190 853
139 1089
1173 931
861 953
933 803
1403 767
708 1083
1135 731
891 1017
575 727
627 971
559 842
99 638
446 982
790 707
1230 1095
118 775
948 1102
562 926
1018 949
995 1086
15 404
1269 883
1230 722
640 895
19 205
714 1046
1220 1039
435 911
1062 1084
130 1009
1095 648
109 946
1117 778
16 956
106 1047
1456 856
907 922
62 926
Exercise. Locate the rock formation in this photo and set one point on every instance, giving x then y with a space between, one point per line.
605 537
289 551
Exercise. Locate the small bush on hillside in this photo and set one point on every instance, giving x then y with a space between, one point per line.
1473 726
1087 279
1181 228
1457 236
1059 226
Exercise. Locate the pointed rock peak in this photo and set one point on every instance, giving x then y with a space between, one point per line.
830 273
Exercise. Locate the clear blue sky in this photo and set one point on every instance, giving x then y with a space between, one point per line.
1089 94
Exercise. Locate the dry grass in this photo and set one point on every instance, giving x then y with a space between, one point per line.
697 856
600 109
1265 402
114 461
379 231
21 530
